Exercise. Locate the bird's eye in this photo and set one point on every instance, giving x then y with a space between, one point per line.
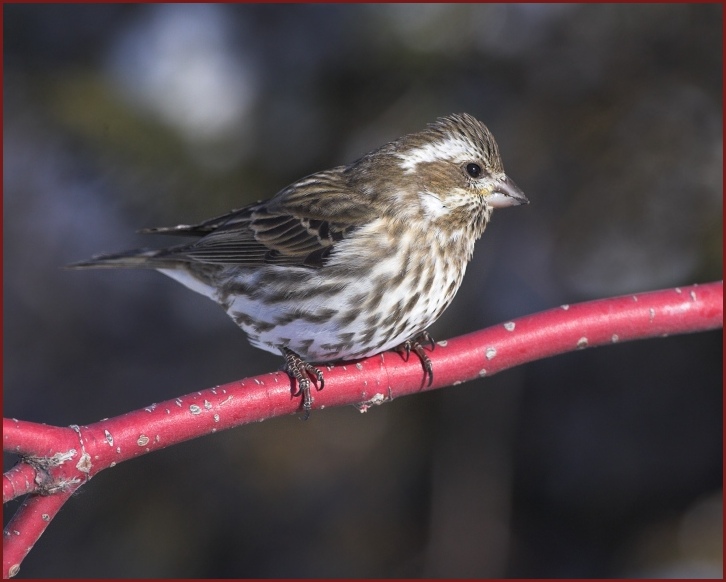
474 170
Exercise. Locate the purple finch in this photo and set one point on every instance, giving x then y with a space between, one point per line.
348 262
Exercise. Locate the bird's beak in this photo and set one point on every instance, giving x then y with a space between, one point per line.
505 193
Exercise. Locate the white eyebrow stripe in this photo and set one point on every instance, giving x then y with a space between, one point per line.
453 149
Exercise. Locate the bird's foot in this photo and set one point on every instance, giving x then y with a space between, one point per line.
301 371
416 345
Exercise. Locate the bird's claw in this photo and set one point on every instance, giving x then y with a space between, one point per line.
301 371
416 345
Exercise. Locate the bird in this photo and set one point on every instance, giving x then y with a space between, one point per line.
348 262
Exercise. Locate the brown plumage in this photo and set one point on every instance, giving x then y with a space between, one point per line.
351 261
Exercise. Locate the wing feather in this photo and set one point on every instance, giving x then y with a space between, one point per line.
299 226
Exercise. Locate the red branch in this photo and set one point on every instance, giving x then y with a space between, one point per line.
56 461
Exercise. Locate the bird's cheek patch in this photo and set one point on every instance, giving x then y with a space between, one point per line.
432 206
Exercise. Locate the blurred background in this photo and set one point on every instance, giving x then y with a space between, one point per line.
602 463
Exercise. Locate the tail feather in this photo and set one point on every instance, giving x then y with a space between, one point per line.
137 259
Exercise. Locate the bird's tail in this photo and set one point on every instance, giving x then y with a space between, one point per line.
137 259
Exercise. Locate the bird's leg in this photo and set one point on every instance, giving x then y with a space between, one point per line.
302 371
416 345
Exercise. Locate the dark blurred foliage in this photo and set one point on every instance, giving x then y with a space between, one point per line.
605 462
